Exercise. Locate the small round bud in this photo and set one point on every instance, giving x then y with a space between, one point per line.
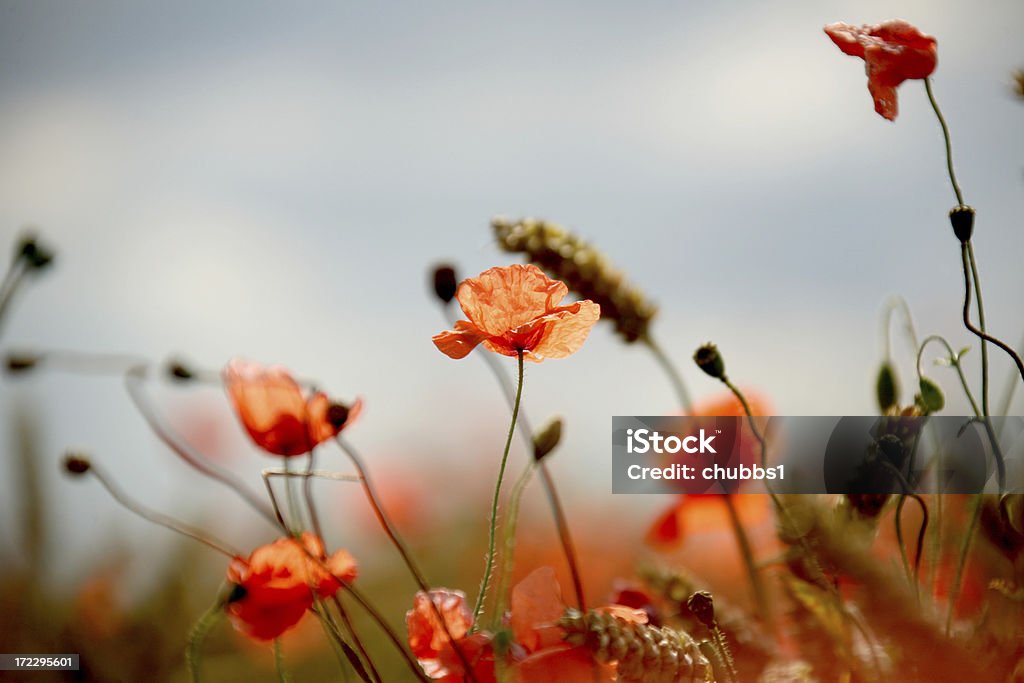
337 415
547 439
179 371
445 283
702 607
931 397
887 388
34 255
962 219
76 464
21 362
710 361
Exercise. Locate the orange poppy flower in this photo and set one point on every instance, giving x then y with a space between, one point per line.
432 647
705 511
276 413
516 309
276 585
893 51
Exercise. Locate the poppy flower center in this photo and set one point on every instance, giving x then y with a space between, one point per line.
337 415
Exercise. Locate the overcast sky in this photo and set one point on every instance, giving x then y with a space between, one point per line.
273 180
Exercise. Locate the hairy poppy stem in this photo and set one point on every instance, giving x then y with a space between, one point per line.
492 533
159 518
550 491
403 550
946 138
508 559
196 637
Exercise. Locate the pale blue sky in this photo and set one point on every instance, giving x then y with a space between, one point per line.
273 180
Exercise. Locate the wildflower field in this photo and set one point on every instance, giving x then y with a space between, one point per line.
315 323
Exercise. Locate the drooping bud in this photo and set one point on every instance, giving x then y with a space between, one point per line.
35 255
887 387
710 361
931 397
21 362
547 439
76 465
445 282
962 219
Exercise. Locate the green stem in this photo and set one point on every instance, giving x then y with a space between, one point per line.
508 556
196 637
760 596
492 533
282 674
965 547
954 359
981 324
946 138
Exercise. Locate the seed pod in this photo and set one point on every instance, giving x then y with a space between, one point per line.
585 270
642 653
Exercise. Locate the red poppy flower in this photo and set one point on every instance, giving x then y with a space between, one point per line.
276 585
515 308
276 413
705 511
432 646
893 51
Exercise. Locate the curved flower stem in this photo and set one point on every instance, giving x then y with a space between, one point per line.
15 274
554 501
399 543
339 647
946 138
893 304
132 378
159 518
955 361
353 657
196 637
492 533
968 258
671 371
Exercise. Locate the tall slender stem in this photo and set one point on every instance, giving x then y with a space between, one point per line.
508 557
672 372
948 141
399 543
493 526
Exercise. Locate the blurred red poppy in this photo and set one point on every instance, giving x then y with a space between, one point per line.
706 511
432 646
276 585
893 51
515 308
276 413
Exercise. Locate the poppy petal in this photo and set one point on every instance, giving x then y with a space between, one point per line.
536 602
565 330
459 342
504 298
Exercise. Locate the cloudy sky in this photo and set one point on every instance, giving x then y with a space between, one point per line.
273 181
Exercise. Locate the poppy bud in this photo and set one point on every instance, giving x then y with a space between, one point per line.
931 397
76 464
702 606
547 439
338 414
35 256
708 359
445 283
179 371
962 219
887 388
20 362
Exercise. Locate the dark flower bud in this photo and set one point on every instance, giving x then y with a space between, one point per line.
445 283
35 256
887 388
547 439
21 362
76 464
337 415
710 361
702 607
179 371
962 219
